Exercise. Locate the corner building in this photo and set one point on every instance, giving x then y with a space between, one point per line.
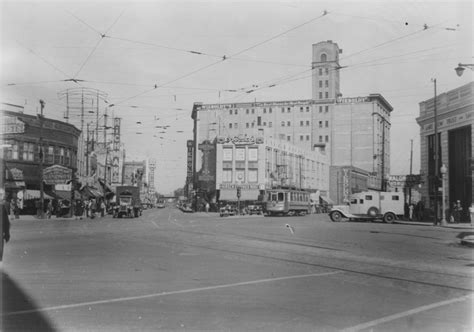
455 117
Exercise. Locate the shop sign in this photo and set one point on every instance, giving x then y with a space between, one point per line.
12 125
240 140
14 174
345 184
57 174
189 159
352 100
241 185
62 187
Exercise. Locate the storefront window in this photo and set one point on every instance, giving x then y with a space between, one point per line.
15 150
50 155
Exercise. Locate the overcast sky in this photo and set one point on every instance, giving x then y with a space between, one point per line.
386 47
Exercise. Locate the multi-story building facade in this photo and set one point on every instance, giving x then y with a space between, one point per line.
20 137
455 117
353 132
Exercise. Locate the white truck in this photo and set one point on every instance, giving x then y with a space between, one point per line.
370 205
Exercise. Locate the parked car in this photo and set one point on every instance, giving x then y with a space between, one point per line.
254 209
227 211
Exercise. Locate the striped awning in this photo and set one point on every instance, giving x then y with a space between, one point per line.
34 194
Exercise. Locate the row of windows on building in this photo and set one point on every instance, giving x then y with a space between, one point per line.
322 138
283 109
27 151
229 176
306 123
326 71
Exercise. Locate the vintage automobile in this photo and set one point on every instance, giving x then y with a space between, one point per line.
254 209
370 205
227 210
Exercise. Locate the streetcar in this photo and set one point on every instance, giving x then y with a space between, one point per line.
287 202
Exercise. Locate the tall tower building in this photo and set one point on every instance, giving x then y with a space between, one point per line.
325 70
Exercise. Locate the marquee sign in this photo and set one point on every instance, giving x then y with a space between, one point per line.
240 140
14 174
57 174
241 185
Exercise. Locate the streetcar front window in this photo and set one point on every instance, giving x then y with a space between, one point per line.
281 197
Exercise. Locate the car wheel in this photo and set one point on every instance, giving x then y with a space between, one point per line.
389 217
372 211
336 216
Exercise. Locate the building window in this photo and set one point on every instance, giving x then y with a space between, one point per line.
240 154
270 124
270 110
307 123
68 157
259 120
301 123
227 154
283 123
50 155
327 124
324 57
288 138
283 110
230 112
327 138
320 139
253 111
240 175
264 110
327 83
15 148
252 154
247 111
61 156
320 124
227 175
230 125
307 137
236 125
235 112
301 137
28 151
289 110
320 95
326 94
253 175
307 108
253 124
264 124
301 109
247 124
288 123
327 71
320 109
326 109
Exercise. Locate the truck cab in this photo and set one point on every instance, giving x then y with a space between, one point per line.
370 205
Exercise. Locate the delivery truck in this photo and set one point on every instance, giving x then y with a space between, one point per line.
128 202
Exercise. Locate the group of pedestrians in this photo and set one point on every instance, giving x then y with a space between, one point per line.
90 208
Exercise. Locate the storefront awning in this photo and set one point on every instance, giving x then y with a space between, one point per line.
62 194
246 195
34 194
90 192
14 184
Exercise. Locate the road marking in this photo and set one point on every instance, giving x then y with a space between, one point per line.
403 314
184 291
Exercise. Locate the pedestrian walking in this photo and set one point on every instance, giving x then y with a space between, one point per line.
410 211
5 229
79 210
49 209
457 211
102 208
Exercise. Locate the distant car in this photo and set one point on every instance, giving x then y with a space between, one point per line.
227 211
254 209
160 205
187 209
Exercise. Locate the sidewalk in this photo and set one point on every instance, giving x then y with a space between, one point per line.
431 223
32 217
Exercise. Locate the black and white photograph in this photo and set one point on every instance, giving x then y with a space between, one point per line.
219 165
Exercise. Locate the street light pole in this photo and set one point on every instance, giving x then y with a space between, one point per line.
462 66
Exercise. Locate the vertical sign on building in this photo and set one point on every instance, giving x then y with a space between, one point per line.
116 162
189 172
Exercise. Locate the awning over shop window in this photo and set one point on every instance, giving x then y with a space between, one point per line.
15 184
90 192
246 195
34 194
62 194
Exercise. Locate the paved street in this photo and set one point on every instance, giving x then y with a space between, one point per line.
168 270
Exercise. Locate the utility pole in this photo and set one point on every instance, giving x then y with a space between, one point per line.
383 154
87 151
41 215
411 170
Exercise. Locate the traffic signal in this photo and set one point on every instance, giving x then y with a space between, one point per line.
239 192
